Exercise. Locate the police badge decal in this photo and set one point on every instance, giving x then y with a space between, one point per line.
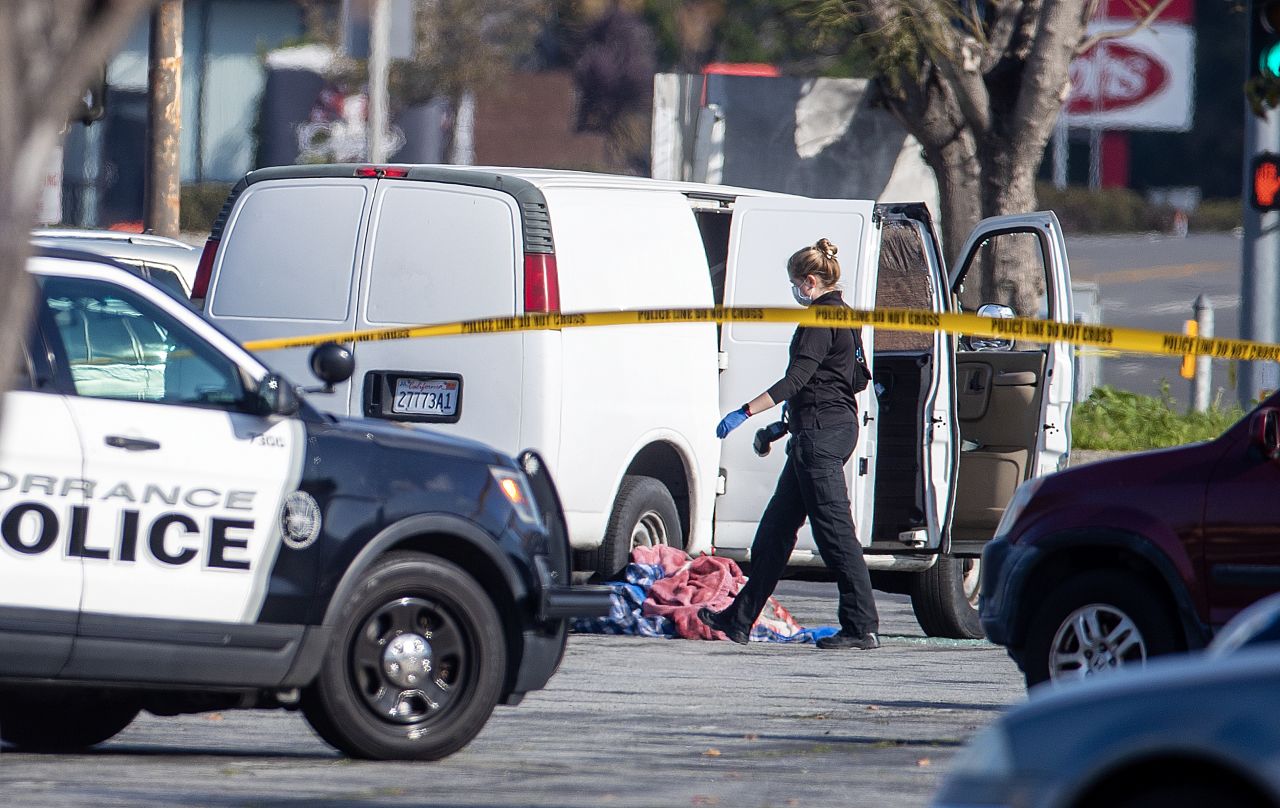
300 520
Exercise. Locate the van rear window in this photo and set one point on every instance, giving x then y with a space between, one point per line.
290 253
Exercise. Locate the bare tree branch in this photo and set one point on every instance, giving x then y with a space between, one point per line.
1001 31
959 58
1138 25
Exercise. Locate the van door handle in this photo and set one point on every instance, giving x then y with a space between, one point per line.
132 444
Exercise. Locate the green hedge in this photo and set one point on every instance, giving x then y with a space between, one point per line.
1115 419
1121 210
200 205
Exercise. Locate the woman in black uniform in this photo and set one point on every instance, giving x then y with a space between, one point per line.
826 369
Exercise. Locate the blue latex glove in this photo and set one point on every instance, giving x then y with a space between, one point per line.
731 422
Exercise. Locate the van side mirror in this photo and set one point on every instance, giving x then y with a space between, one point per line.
1264 431
332 364
276 396
997 310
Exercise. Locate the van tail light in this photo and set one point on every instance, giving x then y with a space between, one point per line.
382 171
204 270
541 284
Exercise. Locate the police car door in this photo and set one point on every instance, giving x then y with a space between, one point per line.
183 486
763 235
40 463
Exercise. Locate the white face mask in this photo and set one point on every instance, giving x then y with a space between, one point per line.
801 297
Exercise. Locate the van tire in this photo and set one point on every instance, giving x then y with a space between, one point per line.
643 514
945 598
349 703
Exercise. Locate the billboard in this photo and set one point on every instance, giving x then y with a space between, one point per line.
1141 81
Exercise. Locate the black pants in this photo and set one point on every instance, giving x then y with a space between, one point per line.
812 485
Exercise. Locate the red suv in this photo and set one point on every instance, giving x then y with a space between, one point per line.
1107 564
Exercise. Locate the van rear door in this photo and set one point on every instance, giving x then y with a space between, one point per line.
287 266
436 253
763 235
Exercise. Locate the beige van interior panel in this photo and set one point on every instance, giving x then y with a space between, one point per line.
998 405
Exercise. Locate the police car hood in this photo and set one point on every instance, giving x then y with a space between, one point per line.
397 436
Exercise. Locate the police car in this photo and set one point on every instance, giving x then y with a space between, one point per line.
180 531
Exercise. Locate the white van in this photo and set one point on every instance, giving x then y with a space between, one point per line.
626 415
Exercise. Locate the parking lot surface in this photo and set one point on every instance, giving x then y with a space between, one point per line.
626 722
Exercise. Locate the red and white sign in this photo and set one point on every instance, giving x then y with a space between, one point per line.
1141 81
49 208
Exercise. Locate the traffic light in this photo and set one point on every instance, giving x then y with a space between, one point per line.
1262 85
1264 182
1264 38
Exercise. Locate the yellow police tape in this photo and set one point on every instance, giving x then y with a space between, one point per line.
1129 340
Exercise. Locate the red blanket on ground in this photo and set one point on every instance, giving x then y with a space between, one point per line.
688 586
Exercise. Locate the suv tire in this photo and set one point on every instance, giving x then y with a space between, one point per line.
1095 621
644 514
416 664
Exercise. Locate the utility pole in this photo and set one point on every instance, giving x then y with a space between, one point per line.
1260 264
164 120
379 58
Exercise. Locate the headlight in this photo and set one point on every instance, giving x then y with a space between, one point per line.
1021 498
515 487
987 755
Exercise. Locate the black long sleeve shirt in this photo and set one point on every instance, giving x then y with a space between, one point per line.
819 384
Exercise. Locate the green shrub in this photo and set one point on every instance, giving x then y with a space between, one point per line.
1121 210
1116 419
200 205
1217 215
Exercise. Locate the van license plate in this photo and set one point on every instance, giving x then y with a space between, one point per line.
426 396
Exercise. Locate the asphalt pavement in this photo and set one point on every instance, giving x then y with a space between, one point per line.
1152 281
625 722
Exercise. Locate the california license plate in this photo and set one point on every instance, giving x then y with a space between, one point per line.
426 396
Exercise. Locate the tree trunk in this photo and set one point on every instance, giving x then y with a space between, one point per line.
48 53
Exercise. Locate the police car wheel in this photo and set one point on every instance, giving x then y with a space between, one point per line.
416 666
62 721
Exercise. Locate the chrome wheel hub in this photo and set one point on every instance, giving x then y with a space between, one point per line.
1093 639
971 582
407 660
650 530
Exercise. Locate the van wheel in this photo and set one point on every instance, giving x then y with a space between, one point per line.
62 721
644 515
416 664
1096 622
945 598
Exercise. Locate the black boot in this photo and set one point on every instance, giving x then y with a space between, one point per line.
717 621
841 640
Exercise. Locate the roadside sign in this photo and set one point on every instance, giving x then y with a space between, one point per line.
49 209
1140 81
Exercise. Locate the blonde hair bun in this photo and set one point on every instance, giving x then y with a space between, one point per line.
826 248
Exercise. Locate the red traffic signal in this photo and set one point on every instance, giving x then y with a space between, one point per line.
1264 182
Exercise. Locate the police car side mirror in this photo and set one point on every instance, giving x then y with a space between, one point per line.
276 396
332 364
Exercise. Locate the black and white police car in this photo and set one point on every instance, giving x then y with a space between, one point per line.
181 532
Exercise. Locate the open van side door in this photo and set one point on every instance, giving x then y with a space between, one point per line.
764 233
919 436
1014 398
